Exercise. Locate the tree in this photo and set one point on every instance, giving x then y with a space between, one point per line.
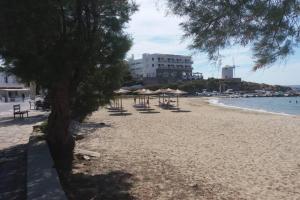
272 27
73 48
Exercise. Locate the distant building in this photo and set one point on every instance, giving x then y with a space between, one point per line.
162 67
197 76
228 72
11 89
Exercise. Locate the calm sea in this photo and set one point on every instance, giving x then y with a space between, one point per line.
283 105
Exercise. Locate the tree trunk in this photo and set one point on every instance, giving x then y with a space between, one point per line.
60 140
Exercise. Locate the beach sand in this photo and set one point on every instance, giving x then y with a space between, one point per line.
208 153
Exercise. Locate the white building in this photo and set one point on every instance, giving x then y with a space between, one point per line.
11 89
161 66
227 72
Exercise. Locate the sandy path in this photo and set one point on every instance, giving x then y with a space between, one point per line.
209 153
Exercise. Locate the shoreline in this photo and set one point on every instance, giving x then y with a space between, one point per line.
214 101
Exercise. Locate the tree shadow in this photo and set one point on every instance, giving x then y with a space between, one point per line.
85 128
114 185
10 121
13 172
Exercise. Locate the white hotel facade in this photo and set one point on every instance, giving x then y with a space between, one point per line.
162 67
11 89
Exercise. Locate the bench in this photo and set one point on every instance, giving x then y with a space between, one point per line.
17 111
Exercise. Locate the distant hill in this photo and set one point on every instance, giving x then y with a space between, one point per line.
214 85
295 87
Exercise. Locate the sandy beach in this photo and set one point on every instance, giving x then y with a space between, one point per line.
208 153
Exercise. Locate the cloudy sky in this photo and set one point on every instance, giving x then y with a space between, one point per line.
153 31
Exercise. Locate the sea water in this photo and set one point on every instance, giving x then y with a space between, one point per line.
282 105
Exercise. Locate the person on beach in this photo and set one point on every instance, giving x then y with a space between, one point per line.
23 97
148 102
134 100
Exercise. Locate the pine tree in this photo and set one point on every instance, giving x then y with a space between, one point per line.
271 27
73 48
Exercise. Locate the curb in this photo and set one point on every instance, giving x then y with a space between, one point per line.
42 178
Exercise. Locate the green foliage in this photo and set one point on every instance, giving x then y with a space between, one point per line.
271 27
212 84
251 87
77 44
191 86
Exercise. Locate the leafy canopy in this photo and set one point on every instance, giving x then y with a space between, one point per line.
78 44
270 26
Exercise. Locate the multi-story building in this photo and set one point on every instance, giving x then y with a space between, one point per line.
163 67
11 89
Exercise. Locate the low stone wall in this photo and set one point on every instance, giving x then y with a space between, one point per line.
42 178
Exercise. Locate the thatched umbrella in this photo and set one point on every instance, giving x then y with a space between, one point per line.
177 93
158 92
145 92
120 92
148 93
167 91
140 92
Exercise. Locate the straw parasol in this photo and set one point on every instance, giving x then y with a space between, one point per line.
168 91
120 92
158 92
177 93
140 92
146 92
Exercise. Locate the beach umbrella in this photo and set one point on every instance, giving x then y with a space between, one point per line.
168 91
140 92
146 92
177 93
158 92
121 92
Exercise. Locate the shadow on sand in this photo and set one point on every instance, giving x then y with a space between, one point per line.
120 114
13 172
150 112
114 185
180 111
9 121
87 128
115 111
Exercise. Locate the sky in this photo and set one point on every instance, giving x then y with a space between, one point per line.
155 31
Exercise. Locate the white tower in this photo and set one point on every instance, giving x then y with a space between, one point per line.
227 72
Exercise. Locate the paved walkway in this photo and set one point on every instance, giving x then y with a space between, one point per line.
14 136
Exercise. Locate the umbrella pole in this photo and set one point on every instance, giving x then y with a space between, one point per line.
121 105
158 99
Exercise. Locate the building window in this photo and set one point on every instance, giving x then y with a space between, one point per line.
153 59
152 65
6 79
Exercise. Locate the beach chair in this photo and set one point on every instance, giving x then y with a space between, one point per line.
18 111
